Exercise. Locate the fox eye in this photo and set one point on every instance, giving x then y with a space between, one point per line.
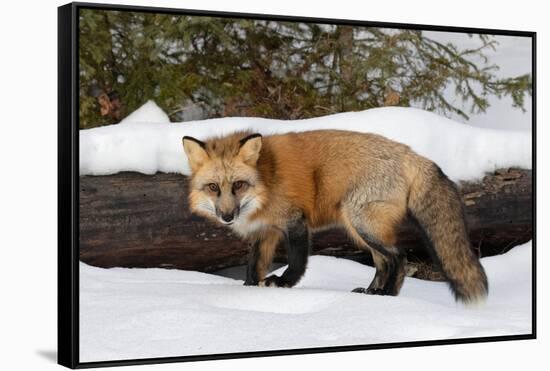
213 187
238 185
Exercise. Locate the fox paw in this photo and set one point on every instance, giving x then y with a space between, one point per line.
274 281
249 282
370 291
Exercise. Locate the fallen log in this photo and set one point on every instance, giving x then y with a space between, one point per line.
136 220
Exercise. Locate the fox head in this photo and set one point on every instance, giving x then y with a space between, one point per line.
225 184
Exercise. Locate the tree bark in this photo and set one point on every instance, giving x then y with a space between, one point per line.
136 220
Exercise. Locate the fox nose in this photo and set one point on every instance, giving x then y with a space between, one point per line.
227 217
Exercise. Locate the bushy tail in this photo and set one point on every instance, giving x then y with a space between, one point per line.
435 203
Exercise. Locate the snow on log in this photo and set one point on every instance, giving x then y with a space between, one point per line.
146 143
135 220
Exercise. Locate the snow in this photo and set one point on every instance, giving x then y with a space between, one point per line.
143 313
147 143
149 112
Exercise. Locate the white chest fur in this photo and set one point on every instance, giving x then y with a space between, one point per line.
244 227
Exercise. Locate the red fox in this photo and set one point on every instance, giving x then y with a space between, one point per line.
283 188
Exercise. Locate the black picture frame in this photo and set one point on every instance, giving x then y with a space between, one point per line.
68 185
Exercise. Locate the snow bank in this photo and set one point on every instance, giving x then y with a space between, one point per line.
147 143
149 112
141 313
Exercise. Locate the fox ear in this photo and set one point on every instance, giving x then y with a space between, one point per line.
195 151
250 149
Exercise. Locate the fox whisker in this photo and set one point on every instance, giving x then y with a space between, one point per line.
206 206
248 204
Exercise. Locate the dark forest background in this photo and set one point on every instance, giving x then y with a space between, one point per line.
202 67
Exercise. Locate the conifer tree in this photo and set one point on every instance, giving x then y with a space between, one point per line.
286 70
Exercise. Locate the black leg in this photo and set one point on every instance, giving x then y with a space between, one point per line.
251 269
297 245
396 275
390 271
